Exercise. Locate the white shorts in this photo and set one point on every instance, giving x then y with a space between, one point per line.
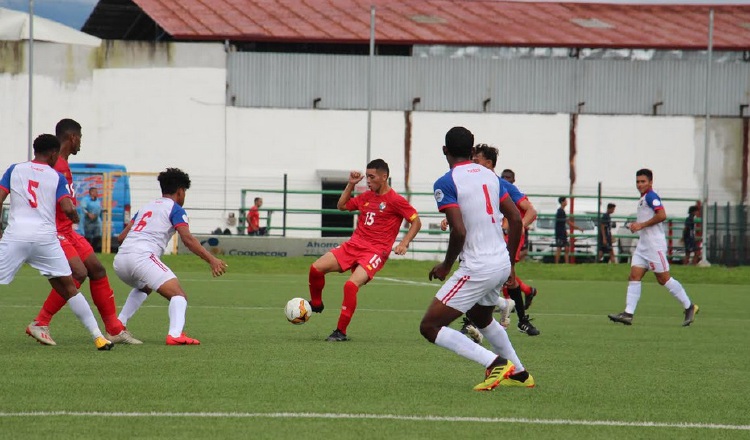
466 288
142 270
655 261
48 258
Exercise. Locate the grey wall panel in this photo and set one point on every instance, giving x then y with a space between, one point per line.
462 85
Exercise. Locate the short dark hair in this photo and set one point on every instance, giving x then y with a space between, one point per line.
509 171
380 165
610 205
65 126
561 199
488 152
46 143
692 210
459 142
173 179
645 172
255 200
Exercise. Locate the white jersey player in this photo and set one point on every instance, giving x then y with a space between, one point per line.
651 253
474 203
35 189
138 261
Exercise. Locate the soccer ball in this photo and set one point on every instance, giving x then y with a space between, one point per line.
297 311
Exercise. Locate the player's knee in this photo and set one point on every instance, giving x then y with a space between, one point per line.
428 330
96 271
79 274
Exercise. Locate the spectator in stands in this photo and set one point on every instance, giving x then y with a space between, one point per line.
91 205
253 218
605 235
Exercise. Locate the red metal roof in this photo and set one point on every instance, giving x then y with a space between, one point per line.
454 22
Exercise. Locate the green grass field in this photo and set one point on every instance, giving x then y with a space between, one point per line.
257 376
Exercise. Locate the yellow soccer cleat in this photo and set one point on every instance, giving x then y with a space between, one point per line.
496 375
103 344
511 382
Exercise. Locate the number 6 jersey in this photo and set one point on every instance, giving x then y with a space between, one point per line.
153 226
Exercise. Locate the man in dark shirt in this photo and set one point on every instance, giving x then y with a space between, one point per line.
688 237
605 234
561 230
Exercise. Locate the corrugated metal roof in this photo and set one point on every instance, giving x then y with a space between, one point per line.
454 22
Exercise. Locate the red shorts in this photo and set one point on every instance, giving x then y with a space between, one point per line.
75 245
349 256
520 245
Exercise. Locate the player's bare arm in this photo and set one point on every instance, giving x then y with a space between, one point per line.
66 204
125 231
515 230
354 178
659 216
530 212
455 243
414 227
3 196
218 267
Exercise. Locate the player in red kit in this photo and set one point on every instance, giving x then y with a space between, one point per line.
80 255
381 212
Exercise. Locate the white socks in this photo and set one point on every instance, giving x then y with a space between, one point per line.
454 341
634 294
177 308
132 304
498 339
82 310
676 289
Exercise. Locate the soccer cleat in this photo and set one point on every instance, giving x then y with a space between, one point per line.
124 337
337 336
525 326
317 309
494 375
103 344
40 333
511 382
625 318
471 331
183 339
530 298
690 313
506 311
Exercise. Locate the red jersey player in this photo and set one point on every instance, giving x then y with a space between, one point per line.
381 212
80 255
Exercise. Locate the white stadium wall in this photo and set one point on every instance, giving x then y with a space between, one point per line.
149 109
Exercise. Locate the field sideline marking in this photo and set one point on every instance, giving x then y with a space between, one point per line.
287 415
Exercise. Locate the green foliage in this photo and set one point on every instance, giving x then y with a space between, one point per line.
252 361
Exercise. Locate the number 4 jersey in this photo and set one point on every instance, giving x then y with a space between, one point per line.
35 189
153 226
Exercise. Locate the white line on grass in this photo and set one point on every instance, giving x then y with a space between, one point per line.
286 415
416 283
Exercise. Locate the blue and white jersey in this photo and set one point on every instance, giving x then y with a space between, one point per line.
35 189
153 227
515 194
477 192
652 237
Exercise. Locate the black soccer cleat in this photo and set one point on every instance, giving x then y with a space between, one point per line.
337 336
690 313
624 318
525 326
318 309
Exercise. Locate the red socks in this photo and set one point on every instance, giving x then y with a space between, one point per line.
104 299
316 281
348 306
525 288
53 304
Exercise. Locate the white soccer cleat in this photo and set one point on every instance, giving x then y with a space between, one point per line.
40 333
124 337
505 308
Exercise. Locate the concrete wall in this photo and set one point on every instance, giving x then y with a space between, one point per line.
150 107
